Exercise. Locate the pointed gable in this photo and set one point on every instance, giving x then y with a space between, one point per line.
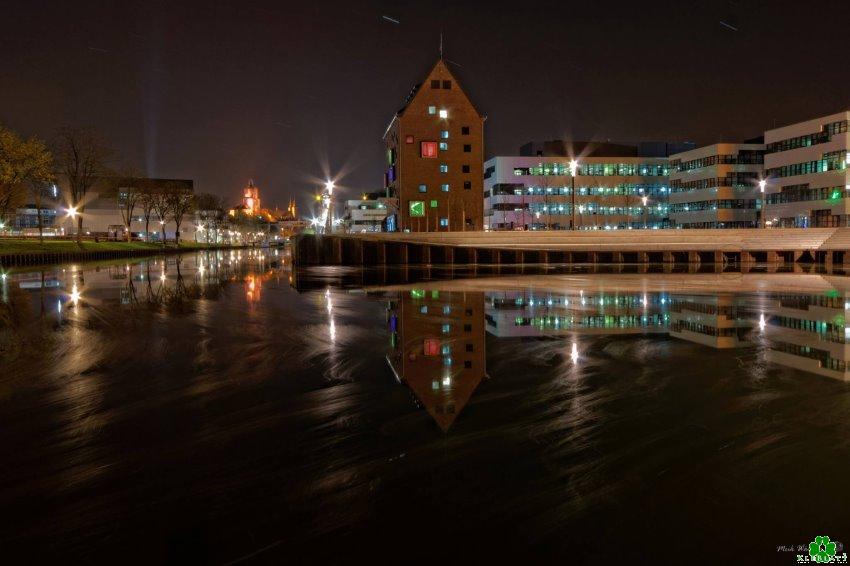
440 73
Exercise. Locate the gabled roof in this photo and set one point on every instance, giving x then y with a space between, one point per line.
440 66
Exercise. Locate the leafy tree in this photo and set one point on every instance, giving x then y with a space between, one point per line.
25 168
211 211
81 158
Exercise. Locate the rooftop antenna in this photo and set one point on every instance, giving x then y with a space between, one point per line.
441 44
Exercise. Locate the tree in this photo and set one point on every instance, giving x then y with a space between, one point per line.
147 198
81 158
180 203
161 205
126 188
25 167
210 210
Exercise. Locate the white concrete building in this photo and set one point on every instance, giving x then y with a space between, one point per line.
808 183
716 186
364 215
535 193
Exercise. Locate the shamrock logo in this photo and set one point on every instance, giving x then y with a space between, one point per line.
822 550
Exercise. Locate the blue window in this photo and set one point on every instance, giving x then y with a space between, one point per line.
447 309
444 146
444 168
432 110
444 134
447 350
423 309
447 328
444 222
423 188
447 361
444 187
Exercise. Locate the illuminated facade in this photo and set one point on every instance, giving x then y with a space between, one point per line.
808 182
435 149
716 186
535 193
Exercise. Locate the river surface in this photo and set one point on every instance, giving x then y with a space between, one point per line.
221 408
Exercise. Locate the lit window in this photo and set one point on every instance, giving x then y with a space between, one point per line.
444 146
447 309
433 204
444 168
446 350
444 113
423 188
444 222
447 361
423 309
447 328
432 110
444 134
444 187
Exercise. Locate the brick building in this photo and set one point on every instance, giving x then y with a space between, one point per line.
435 152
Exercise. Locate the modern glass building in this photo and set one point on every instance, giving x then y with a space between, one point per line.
611 193
716 186
808 183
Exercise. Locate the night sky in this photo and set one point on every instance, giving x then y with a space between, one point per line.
287 93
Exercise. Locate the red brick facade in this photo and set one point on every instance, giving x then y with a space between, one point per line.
437 141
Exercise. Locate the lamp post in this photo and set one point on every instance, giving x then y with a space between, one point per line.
644 199
327 201
760 217
573 167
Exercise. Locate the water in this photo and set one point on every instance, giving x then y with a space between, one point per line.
221 408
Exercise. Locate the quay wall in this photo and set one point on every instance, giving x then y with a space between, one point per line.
775 245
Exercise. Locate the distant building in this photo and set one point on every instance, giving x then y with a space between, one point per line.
716 186
102 216
808 182
535 193
574 149
366 214
435 149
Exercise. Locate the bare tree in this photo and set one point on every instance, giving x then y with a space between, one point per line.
147 198
126 189
81 158
211 211
161 205
180 203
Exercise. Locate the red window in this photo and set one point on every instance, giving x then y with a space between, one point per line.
408 139
429 149
431 347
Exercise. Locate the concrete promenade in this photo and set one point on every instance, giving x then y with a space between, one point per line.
776 245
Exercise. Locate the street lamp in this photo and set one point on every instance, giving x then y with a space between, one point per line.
573 168
644 199
760 217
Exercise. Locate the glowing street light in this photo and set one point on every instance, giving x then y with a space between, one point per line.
762 184
72 211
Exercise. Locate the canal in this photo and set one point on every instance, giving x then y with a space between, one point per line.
223 408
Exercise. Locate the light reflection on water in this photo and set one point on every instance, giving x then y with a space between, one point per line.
205 405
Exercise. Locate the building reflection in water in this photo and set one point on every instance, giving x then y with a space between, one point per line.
437 337
437 348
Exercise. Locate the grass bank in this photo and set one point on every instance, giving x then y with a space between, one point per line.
33 252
